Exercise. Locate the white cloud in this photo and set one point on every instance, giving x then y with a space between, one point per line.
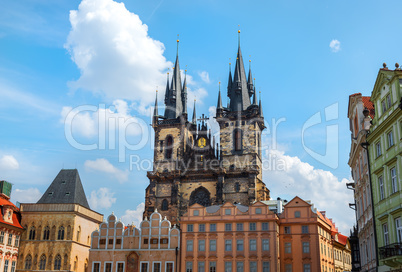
101 199
335 45
103 165
288 176
85 120
30 195
114 53
134 216
9 162
204 76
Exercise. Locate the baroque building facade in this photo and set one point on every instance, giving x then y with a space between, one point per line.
191 165
10 229
360 114
153 246
58 227
384 142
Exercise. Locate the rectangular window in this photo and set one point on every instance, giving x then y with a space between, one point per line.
288 268
389 102
394 181
120 267
228 245
253 266
96 267
212 227
265 226
212 266
304 229
398 227
189 246
108 267
252 226
265 267
196 213
383 106
239 226
5 265
287 230
378 149
297 214
10 239
169 267
306 268
288 248
144 267
1 237
306 247
253 245
239 267
201 227
386 235
265 244
239 245
258 211
390 137
189 266
201 267
228 266
13 266
157 267
228 227
201 245
381 185
212 245
227 211
190 227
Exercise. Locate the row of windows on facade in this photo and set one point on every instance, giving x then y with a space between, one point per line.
10 239
7 267
60 233
239 267
334 254
382 185
367 250
144 267
390 143
398 231
228 245
153 241
240 227
28 264
386 103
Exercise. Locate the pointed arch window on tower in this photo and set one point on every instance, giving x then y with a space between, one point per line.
165 205
42 262
60 235
46 233
32 233
169 147
238 140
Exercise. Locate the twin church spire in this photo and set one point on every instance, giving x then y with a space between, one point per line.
240 90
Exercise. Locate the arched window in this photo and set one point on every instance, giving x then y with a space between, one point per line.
32 233
42 262
60 235
28 262
237 187
200 196
75 263
46 233
165 205
169 147
57 262
238 140
78 233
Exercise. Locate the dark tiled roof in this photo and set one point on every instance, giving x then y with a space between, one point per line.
65 188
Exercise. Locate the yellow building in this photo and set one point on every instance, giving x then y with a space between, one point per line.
58 227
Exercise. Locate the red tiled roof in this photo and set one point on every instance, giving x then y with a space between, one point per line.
342 239
16 216
368 104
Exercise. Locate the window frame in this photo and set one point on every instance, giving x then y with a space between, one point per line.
166 265
105 264
144 262
160 266
394 179
381 187
117 265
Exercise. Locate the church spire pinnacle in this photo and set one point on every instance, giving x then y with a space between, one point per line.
255 96
194 115
250 81
260 107
184 98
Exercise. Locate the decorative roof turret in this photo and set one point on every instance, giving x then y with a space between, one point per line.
250 85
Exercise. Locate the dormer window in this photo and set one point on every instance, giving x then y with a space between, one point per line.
63 182
68 193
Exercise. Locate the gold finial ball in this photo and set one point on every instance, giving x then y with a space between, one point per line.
397 65
238 31
219 83
384 65
230 63
177 40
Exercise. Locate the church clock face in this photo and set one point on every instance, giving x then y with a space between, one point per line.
202 142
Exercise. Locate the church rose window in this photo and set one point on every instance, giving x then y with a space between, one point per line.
200 196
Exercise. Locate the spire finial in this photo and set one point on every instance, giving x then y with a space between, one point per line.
177 53
194 114
238 31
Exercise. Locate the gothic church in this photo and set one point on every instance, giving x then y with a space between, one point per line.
190 166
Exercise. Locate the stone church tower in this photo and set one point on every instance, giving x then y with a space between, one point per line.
190 167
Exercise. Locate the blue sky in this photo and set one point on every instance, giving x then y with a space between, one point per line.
53 60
